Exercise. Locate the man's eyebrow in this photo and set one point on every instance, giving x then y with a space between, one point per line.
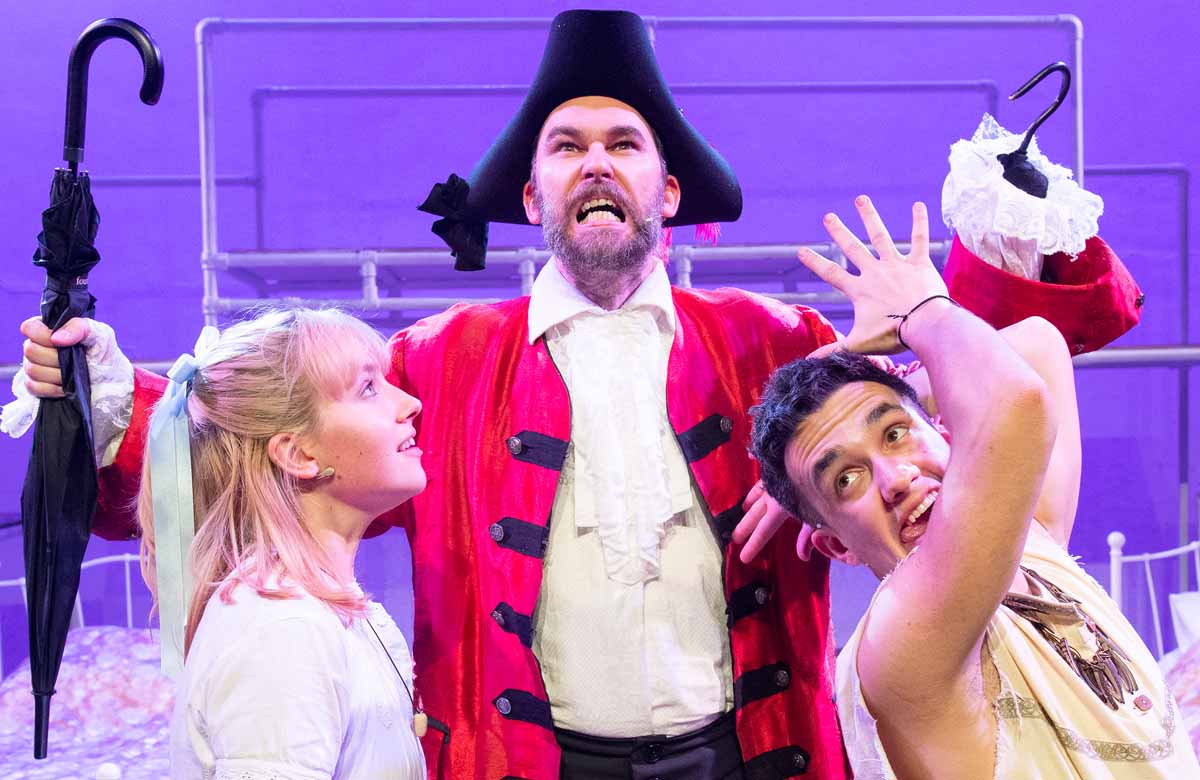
826 461
561 130
626 131
879 411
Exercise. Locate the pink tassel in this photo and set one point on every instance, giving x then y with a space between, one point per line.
708 232
663 250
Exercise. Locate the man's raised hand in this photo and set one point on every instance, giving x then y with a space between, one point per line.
885 287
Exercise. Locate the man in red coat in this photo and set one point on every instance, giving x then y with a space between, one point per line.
580 609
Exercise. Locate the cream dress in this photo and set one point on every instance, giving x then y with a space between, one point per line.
1050 723
283 690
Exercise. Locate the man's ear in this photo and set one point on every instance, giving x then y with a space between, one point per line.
828 544
529 198
288 453
671 197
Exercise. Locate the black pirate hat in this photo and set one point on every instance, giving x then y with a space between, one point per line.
606 53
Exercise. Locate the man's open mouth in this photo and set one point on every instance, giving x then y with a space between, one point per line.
599 210
917 522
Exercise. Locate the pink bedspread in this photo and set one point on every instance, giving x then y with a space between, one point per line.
1184 681
112 706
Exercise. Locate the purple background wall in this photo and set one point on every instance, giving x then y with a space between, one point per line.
347 173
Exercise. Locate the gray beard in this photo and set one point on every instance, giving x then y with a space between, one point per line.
600 262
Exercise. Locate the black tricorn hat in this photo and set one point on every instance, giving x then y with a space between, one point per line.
606 53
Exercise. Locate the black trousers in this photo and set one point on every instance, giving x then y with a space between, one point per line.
709 753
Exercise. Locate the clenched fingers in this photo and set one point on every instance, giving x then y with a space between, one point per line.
36 331
43 374
73 332
37 355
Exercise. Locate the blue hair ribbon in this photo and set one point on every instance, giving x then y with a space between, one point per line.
170 456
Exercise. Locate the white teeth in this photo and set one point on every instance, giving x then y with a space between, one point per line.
408 443
595 204
600 216
921 509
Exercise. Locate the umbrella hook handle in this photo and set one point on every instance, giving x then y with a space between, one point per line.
77 76
1063 88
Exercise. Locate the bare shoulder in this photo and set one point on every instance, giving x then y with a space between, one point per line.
900 663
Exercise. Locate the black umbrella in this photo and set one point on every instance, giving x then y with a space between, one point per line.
59 496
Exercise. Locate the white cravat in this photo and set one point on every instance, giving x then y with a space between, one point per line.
630 627
614 363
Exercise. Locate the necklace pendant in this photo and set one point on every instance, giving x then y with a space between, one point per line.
420 724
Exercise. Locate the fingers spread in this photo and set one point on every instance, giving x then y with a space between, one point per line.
848 242
876 231
826 270
920 231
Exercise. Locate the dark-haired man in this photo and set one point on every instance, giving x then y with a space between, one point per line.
987 651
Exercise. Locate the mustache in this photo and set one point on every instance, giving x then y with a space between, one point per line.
599 190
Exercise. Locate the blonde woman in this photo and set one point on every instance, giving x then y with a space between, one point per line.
296 441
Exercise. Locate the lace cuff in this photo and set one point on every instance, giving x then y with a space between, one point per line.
111 376
1005 226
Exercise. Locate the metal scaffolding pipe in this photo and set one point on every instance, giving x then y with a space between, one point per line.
1113 357
262 95
208 28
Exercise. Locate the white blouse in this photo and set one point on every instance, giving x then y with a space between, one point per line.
283 690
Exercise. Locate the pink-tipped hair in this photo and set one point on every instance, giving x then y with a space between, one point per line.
708 232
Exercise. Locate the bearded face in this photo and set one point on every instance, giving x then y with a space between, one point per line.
600 229
600 190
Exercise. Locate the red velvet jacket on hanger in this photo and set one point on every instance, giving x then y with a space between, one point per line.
494 432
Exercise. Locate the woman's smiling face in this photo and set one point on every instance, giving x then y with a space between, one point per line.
366 433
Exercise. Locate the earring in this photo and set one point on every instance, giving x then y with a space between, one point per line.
326 473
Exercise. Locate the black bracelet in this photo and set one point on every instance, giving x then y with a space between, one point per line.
904 317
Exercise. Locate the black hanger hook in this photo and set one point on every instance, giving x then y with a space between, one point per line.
1063 89
77 76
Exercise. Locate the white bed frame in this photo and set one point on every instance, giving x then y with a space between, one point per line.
127 560
1117 560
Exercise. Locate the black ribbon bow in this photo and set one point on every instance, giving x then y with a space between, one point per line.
464 233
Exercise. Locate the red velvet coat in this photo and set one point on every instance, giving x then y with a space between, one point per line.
494 431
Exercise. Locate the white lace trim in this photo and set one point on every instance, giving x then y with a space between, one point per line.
627 486
1003 225
254 769
111 376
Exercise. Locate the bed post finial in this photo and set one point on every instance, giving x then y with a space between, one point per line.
1116 542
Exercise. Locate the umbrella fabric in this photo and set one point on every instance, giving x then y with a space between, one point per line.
59 496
